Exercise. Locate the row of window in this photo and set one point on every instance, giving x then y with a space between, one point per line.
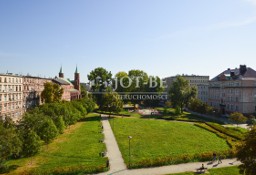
10 80
11 107
10 88
10 97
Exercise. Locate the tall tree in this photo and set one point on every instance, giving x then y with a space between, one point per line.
100 79
52 93
181 93
247 154
111 102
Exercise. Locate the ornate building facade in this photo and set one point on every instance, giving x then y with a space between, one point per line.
234 90
11 96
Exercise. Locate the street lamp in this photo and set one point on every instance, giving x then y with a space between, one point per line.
130 137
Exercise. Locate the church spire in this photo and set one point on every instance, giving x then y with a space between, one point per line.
61 70
61 74
76 70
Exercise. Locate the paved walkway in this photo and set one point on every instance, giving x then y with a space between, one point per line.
116 161
117 166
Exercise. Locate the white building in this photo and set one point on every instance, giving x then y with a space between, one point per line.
200 82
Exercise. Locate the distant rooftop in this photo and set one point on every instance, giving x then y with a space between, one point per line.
236 74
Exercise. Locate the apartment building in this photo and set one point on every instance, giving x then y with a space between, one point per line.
32 89
11 95
234 90
200 82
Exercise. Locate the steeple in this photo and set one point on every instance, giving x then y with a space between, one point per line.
61 74
76 70
61 70
77 80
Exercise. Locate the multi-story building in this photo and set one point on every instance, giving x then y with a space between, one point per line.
234 90
200 82
32 89
11 95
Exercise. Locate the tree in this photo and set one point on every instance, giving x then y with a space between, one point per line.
181 93
47 130
247 154
10 143
111 102
237 117
100 79
31 143
52 93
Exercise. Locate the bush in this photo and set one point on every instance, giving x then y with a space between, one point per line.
232 133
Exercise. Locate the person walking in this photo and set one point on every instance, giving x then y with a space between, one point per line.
219 160
214 157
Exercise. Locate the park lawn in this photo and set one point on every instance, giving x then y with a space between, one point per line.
75 151
217 171
155 140
185 116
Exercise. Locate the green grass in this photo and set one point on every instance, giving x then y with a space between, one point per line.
217 171
74 152
156 143
186 116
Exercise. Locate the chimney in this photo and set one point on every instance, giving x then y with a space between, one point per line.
243 69
232 73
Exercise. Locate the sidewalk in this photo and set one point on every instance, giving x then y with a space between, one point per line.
116 161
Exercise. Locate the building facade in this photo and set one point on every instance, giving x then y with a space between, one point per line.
234 90
11 96
32 89
197 81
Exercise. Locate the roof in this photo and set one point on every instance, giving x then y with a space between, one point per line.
61 81
235 74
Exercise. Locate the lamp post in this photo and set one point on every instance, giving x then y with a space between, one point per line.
130 137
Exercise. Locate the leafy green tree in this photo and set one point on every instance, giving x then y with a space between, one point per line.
247 154
31 143
181 93
52 93
100 79
199 106
237 117
112 103
122 82
153 88
10 143
60 124
47 130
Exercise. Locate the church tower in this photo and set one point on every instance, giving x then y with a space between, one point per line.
77 80
61 74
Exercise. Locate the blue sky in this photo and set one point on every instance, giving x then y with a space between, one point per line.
161 37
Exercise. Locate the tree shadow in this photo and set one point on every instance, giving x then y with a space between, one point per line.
90 119
8 169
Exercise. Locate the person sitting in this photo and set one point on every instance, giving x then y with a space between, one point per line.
201 169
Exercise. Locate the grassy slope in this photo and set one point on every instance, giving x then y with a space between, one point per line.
155 139
78 148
